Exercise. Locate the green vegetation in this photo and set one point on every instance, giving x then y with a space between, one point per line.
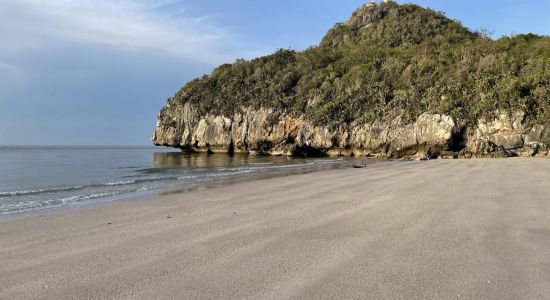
387 57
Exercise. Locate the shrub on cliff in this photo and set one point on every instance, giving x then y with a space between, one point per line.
387 57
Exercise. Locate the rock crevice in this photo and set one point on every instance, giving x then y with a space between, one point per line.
266 132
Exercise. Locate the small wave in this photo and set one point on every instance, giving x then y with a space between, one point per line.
155 179
78 198
235 171
135 181
32 205
40 191
271 167
259 168
80 187
115 183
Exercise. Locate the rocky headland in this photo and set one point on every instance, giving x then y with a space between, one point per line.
370 95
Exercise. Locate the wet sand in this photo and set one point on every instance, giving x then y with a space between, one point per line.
414 230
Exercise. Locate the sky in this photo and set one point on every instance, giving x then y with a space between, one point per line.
96 72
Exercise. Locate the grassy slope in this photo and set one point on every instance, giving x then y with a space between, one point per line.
385 57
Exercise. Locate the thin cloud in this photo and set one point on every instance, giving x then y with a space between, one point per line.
132 25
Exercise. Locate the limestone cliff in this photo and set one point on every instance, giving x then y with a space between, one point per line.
431 135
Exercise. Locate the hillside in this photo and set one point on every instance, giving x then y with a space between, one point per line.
387 63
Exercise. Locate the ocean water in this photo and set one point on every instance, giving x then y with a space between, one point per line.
39 179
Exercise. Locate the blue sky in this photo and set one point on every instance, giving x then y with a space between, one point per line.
97 71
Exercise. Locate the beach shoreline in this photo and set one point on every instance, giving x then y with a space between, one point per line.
183 188
433 229
44 180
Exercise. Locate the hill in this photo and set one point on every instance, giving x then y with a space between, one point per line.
388 66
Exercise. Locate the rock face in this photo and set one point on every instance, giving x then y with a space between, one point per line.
274 133
507 135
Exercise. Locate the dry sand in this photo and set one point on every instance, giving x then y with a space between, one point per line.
439 229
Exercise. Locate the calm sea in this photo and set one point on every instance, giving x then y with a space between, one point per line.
37 179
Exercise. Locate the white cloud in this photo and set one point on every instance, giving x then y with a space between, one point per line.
162 25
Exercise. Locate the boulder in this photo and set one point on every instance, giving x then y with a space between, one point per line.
505 130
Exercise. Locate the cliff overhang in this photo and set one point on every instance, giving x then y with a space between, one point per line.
257 132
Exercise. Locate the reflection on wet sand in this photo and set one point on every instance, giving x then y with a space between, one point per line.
203 160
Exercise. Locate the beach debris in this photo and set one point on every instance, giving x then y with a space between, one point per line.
169 217
359 166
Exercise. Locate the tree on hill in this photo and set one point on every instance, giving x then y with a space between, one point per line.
387 57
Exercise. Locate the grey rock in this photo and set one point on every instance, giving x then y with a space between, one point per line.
267 132
526 151
538 134
505 130
448 155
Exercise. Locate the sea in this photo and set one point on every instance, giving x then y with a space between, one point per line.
40 179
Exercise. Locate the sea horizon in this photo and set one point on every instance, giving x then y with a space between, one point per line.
79 145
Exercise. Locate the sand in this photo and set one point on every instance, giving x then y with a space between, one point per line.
414 230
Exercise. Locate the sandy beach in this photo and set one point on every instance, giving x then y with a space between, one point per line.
445 229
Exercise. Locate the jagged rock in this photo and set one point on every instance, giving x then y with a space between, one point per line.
448 155
499 153
257 132
263 131
212 133
526 151
538 134
479 147
506 130
542 150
